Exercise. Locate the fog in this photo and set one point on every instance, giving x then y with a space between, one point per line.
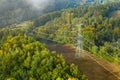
16 11
35 4
40 4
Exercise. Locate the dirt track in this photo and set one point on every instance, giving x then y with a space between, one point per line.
87 65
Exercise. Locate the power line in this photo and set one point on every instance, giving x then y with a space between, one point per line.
92 59
81 47
77 38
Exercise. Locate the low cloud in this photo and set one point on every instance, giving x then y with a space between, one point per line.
40 4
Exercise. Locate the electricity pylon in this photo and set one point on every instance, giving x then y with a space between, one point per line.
79 51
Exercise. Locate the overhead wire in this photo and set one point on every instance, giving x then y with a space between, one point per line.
87 55
86 47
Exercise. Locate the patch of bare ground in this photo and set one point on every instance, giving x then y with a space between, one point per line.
92 66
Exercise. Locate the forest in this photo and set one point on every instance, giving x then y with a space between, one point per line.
14 11
24 57
17 11
100 29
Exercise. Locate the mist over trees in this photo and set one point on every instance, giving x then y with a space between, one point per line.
100 31
16 11
24 57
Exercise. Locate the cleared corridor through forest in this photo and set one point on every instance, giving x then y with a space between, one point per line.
88 66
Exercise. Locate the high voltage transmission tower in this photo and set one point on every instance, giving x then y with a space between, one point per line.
79 51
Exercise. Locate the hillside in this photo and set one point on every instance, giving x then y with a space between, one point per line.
100 32
92 28
14 11
23 58
89 63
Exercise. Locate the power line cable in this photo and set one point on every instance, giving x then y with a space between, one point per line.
91 58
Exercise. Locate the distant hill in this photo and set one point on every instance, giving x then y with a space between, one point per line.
16 11
100 28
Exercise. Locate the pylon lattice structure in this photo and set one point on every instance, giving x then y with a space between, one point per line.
79 51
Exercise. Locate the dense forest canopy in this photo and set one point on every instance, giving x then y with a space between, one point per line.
100 28
17 11
23 57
